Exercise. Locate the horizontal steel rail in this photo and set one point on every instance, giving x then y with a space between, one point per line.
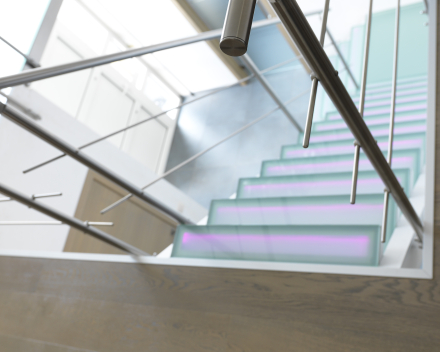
194 157
36 196
31 62
47 72
68 220
312 51
186 102
21 120
25 223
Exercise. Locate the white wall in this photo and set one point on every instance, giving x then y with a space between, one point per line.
20 150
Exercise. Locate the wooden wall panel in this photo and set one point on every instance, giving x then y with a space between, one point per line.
134 221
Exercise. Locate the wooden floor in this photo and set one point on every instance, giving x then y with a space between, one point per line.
55 305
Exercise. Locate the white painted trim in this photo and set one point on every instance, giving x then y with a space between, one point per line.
228 264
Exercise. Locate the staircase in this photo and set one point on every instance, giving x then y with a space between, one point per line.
298 209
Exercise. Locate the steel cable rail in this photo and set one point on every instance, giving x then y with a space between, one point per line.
217 90
73 222
357 146
31 62
23 121
128 196
306 41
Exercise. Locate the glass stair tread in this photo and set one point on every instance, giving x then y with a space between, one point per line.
343 147
377 112
405 158
325 244
332 125
317 184
317 210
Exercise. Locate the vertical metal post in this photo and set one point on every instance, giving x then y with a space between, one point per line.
361 103
392 115
254 69
314 89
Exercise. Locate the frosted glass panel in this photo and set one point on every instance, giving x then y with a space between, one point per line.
355 245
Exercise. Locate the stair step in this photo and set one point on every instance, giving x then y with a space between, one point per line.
344 245
413 108
317 210
338 183
337 147
387 96
405 158
331 125
402 128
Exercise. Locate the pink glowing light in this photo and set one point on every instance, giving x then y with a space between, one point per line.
301 245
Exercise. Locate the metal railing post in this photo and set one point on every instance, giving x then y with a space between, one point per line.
141 122
36 196
357 145
32 127
392 115
75 223
314 88
300 30
254 69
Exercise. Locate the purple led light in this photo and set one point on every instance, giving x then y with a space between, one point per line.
398 101
334 165
336 126
297 208
303 245
378 133
348 149
374 181
385 111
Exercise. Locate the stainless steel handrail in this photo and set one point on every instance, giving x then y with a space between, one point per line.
254 69
36 196
306 41
75 223
392 115
220 89
21 120
357 146
194 157
314 88
31 62
47 72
